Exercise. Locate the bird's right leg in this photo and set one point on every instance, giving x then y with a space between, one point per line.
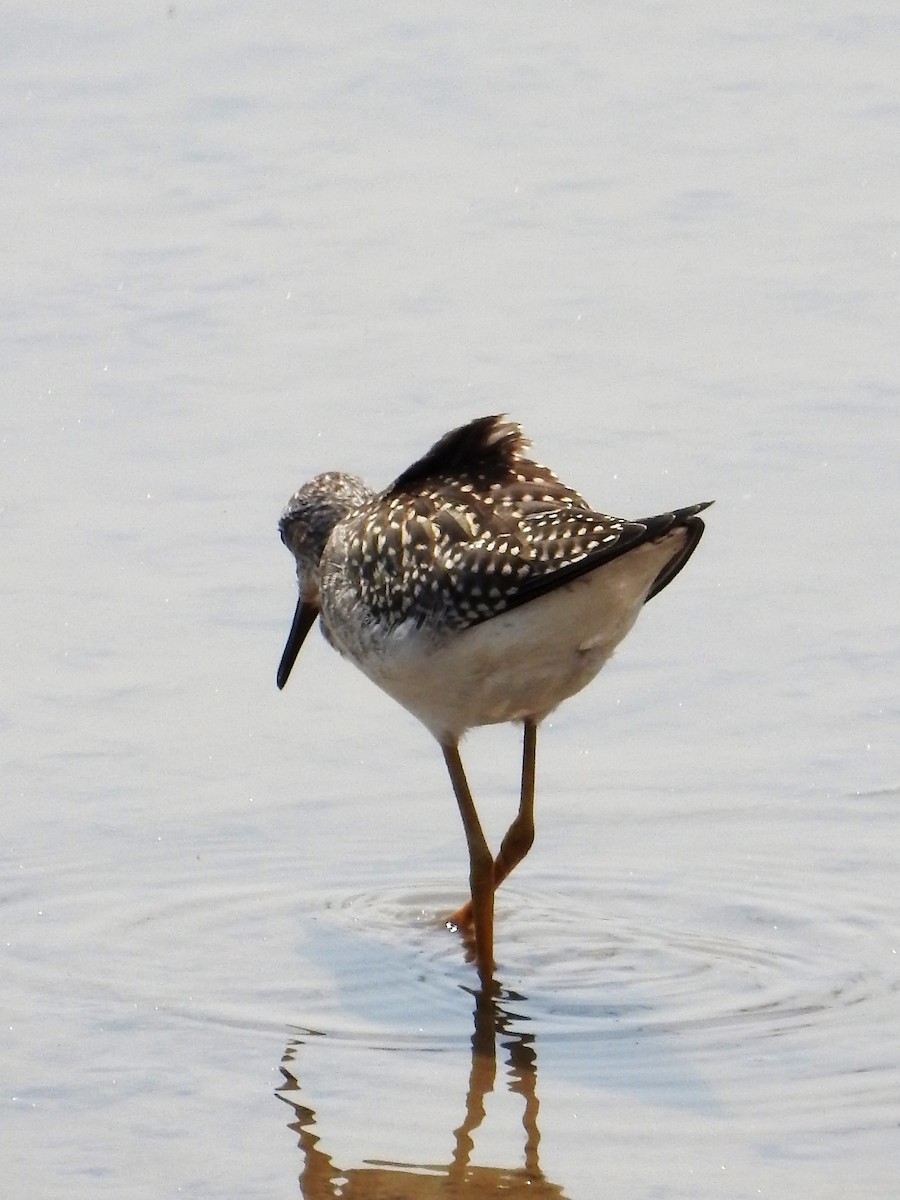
520 835
481 866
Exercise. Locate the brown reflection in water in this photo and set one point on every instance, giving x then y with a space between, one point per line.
322 1179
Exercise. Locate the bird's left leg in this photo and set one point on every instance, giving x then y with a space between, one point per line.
520 835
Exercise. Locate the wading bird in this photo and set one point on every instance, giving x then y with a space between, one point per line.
475 589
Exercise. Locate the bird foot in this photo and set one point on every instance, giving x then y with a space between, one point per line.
461 920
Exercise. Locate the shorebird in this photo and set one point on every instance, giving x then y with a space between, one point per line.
476 589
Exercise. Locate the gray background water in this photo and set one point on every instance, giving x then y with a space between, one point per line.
248 242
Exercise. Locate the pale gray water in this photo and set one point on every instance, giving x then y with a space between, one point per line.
246 243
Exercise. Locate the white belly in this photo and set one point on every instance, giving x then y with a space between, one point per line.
520 664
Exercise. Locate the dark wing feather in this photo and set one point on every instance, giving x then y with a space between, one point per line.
483 465
481 452
688 519
464 574
474 528
617 538
521 560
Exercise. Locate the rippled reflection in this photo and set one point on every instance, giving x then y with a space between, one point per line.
494 1023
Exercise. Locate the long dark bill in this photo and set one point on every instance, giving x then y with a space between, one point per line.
304 616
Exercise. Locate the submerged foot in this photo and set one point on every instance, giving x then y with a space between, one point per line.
461 923
461 920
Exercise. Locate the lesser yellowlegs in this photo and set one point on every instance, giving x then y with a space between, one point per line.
475 589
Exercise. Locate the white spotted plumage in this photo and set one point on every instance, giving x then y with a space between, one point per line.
404 579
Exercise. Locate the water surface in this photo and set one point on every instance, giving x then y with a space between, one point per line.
248 243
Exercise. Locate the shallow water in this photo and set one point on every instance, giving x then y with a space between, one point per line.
252 243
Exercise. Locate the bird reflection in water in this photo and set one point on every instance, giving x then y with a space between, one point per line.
322 1179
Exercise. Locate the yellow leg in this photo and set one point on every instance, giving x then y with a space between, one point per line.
520 835
481 867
